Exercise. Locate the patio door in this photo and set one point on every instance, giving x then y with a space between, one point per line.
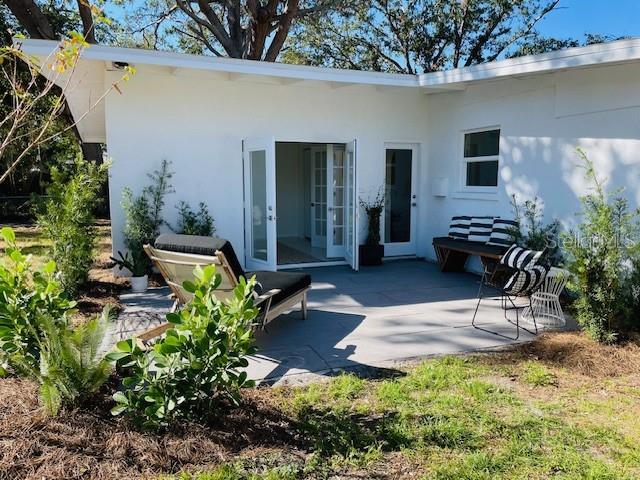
351 204
400 212
259 157
336 201
318 197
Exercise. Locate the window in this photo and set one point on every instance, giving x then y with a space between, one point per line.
481 158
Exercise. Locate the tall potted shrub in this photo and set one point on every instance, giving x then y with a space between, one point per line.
143 221
372 251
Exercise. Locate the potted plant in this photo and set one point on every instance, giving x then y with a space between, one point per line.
138 265
372 251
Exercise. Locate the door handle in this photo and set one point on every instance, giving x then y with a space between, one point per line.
272 217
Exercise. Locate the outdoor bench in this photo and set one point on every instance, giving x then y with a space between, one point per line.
452 253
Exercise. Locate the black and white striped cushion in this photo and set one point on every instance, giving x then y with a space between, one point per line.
503 232
520 258
526 281
480 229
459 227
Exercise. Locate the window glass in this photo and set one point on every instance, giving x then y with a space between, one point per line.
482 144
482 174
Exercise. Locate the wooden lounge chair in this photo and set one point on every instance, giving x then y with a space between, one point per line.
176 256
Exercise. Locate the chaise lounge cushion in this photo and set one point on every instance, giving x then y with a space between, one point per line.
475 248
198 245
288 283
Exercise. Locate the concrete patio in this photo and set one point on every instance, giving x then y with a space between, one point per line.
376 317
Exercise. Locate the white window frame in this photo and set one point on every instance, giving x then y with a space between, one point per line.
466 160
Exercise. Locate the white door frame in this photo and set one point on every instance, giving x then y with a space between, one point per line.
409 248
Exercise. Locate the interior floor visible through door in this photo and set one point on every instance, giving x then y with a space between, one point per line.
292 250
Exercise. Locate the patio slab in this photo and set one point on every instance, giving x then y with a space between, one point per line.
372 318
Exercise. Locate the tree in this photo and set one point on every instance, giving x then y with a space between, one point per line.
53 20
249 29
414 36
36 103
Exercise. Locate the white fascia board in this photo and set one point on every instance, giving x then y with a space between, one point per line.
607 53
134 57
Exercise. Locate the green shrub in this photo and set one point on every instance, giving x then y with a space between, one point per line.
602 253
29 299
192 223
196 363
533 233
67 218
144 216
71 367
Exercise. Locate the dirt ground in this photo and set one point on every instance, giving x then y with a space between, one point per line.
89 443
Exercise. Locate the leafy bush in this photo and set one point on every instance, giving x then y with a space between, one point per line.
603 252
373 209
71 368
532 233
67 218
144 215
192 223
196 363
29 300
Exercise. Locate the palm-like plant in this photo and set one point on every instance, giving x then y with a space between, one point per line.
71 367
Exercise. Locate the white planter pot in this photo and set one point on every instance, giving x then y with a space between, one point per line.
139 284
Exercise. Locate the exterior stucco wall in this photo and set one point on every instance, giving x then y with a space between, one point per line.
542 120
198 122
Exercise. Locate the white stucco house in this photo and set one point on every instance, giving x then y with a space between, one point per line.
281 154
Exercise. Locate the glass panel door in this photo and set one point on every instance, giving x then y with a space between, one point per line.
259 204
400 200
351 205
336 201
318 197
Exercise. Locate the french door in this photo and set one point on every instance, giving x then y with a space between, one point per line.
351 203
318 197
334 213
400 212
259 158
336 201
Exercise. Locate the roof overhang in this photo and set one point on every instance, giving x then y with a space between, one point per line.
89 75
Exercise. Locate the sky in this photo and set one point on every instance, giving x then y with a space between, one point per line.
574 18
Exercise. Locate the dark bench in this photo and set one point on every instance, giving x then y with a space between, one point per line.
452 253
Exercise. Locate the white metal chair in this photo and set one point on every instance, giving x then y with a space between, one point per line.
545 308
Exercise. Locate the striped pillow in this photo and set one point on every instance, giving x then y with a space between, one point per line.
526 281
503 232
459 228
480 229
520 258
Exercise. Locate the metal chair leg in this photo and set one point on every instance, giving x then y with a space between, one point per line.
480 292
533 315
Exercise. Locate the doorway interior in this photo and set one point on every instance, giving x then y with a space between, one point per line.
310 201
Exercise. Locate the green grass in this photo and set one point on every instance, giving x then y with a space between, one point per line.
450 418
537 375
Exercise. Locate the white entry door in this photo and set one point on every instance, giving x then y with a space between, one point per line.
400 212
259 156
351 203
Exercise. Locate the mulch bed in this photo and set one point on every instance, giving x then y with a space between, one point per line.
576 353
89 443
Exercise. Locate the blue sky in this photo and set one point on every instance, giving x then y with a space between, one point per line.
574 18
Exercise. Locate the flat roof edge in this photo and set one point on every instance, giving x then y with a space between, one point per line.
598 54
